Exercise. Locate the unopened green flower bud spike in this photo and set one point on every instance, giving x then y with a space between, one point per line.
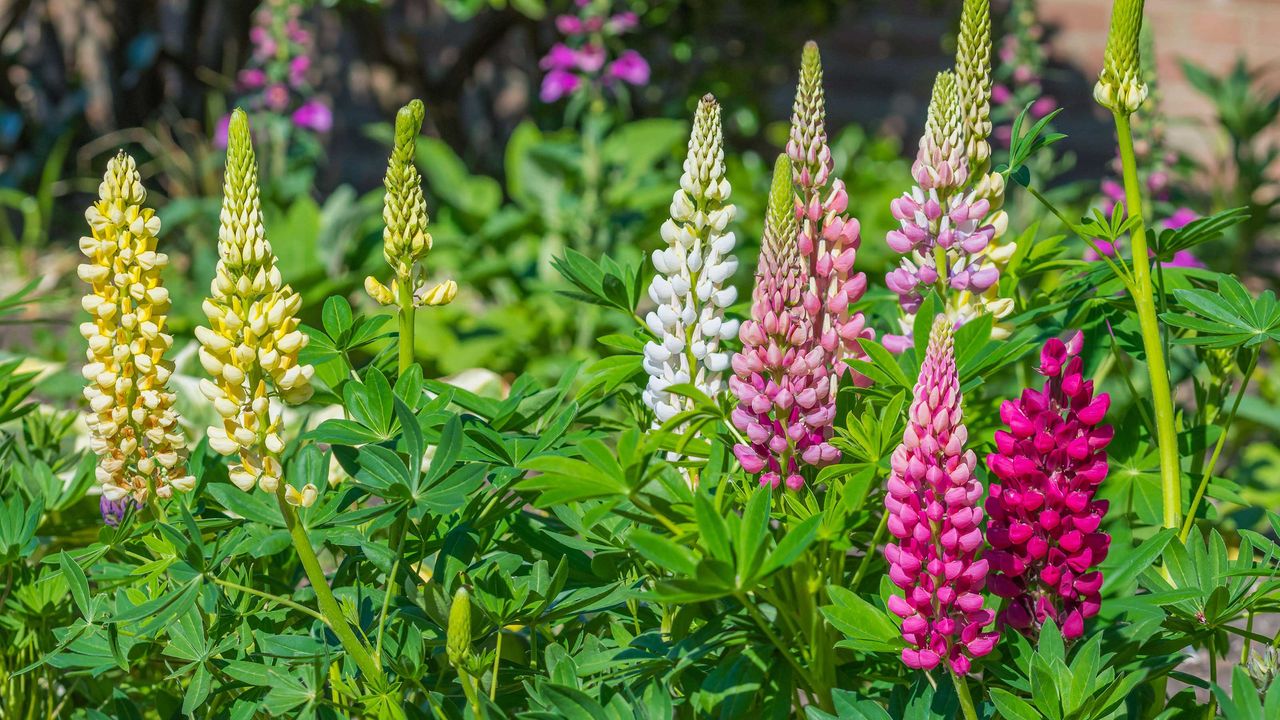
405 239
1121 87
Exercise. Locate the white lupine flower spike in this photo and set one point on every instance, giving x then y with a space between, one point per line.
689 288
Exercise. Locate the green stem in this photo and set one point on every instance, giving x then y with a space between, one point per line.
1217 450
404 288
966 701
497 656
324 596
397 531
1213 680
274 598
1144 303
782 647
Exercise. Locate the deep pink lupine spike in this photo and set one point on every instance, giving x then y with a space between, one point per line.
931 498
1044 521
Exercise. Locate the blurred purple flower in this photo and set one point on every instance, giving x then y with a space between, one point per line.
630 67
1000 94
113 511
313 115
560 57
276 97
593 24
558 83
590 58
252 78
220 132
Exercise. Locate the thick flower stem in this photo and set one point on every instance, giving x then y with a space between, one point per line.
324 596
405 316
1144 302
966 701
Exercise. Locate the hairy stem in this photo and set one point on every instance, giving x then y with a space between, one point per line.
404 288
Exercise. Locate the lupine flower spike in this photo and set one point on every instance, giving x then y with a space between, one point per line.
1120 87
689 288
934 517
405 239
133 427
828 238
1043 531
782 379
250 348
950 223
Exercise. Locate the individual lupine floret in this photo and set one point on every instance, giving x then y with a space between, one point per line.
1043 529
782 379
250 348
934 517
405 239
133 426
689 288
828 237
1121 87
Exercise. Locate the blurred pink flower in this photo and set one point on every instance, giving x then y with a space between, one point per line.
1180 218
298 68
568 24
590 58
1023 74
630 67
220 132
1000 94
593 24
264 46
313 115
560 57
276 97
1042 106
252 78
623 22
557 84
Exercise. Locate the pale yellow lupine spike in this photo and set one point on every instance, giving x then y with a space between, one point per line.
406 239
133 426
250 347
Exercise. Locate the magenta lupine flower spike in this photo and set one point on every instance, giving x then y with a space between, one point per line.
828 236
932 501
1044 521
782 379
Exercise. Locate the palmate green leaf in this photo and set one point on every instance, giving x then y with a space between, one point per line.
1133 561
663 552
1228 318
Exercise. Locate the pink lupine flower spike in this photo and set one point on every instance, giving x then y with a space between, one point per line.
934 517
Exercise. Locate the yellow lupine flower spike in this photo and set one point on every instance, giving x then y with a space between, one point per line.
405 239
132 424
250 348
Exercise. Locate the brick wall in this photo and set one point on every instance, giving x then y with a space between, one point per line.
1211 33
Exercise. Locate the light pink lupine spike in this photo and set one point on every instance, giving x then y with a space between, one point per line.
933 516
781 378
1043 530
